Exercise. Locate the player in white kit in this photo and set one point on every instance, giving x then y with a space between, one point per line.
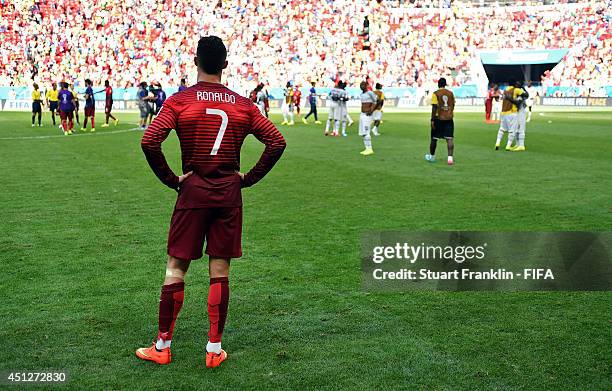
340 115
368 102
531 90
334 96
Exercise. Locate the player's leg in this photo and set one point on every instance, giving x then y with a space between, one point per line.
364 132
76 113
512 130
348 118
33 116
330 117
433 143
52 109
185 241
93 121
291 116
529 114
84 127
344 128
450 144
503 128
218 302
70 122
223 242
314 110
285 112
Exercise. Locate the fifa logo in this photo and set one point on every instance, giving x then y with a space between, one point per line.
445 102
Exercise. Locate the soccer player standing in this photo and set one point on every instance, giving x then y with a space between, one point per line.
377 115
52 100
66 108
90 106
509 119
108 104
183 85
442 125
211 122
287 106
36 105
312 100
368 102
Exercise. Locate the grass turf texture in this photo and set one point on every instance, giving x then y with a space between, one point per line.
82 251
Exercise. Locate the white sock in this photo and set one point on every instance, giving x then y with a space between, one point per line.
511 136
291 116
343 127
450 158
367 141
213 347
500 135
161 344
327 126
284 117
336 126
375 129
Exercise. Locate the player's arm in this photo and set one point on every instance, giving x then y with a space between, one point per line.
275 144
434 109
151 143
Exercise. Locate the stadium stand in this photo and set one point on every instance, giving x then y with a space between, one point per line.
402 44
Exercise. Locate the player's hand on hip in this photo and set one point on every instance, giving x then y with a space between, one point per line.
183 177
240 174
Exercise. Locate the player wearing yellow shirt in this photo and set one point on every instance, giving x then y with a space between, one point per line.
36 105
377 114
509 119
52 100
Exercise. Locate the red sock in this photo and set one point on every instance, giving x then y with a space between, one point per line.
93 122
218 300
70 124
170 303
64 125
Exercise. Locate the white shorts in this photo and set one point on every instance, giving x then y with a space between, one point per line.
332 110
340 113
364 124
287 108
508 122
377 115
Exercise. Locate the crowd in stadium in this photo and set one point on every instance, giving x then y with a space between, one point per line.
274 41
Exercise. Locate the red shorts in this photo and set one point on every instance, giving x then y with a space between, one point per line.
220 227
66 115
90 111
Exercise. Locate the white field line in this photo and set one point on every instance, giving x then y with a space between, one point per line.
73 135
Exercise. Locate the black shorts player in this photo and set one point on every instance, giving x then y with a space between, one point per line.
443 129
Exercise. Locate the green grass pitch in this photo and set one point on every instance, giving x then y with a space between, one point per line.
82 255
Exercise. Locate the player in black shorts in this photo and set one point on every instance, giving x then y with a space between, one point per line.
442 126
36 105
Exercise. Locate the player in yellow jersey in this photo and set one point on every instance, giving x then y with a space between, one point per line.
377 114
287 106
36 105
509 118
52 100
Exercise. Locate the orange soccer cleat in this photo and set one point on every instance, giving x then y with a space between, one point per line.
213 360
162 357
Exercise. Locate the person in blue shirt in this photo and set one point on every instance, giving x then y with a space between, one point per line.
160 98
142 103
183 85
66 106
312 99
90 106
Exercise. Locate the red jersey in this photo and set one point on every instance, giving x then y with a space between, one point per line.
211 122
297 95
109 95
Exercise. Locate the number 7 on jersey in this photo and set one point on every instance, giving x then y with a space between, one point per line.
219 138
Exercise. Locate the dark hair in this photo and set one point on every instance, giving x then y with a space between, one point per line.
378 86
143 84
511 82
87 82
442 82
64 85
211 54
106 83
183 81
